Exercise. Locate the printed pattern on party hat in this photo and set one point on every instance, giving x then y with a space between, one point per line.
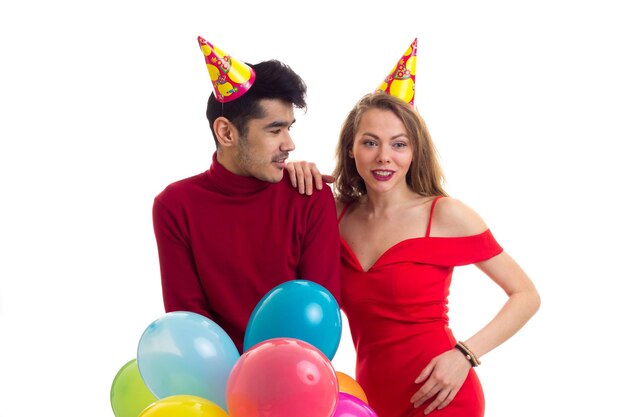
231 78
400 82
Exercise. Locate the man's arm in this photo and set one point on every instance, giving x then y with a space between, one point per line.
179 278
319 261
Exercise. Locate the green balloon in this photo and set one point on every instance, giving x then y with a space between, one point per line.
129 394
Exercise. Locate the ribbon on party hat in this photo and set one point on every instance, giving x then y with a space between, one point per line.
231 78
400 82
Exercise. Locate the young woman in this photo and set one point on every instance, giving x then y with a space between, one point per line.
401 237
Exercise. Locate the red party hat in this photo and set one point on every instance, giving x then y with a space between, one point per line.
401 80
231 78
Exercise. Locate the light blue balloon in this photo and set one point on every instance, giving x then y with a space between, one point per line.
299 309
186 353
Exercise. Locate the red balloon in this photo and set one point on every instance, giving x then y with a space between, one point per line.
282 377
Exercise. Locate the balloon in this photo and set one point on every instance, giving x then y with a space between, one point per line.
298 309
350 406
186 353
282 377
129 394
183 406
348 385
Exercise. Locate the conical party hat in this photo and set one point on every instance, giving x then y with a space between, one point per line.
231 78
401 80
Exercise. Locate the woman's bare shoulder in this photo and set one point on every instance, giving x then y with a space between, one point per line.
452 217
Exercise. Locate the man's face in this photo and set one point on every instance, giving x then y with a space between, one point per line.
262 152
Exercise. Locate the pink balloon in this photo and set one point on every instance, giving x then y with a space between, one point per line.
282 377
351 406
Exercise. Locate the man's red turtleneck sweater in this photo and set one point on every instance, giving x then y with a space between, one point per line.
225 240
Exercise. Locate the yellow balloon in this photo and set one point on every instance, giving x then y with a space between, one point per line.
348 385
403 89
183 406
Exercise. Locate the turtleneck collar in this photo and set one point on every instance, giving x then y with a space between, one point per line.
232 184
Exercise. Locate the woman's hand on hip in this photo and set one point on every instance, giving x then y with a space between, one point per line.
442 378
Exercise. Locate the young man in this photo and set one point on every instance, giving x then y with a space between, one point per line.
228 235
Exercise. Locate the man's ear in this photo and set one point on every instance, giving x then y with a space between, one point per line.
225 132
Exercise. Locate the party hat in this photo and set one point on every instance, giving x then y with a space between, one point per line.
401 80
231 78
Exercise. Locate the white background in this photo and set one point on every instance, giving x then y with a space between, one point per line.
102 105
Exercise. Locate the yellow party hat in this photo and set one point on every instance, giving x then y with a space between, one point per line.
231 78
401 80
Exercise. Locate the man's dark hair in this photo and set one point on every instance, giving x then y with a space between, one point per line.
274 80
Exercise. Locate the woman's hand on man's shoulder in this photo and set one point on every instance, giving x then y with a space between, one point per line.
304 175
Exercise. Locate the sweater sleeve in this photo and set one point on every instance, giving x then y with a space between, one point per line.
179 278
319 260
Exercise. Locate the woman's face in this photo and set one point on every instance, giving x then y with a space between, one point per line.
382 151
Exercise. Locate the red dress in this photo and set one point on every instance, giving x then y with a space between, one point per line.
397 311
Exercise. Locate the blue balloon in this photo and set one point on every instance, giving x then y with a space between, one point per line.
298 309
186 353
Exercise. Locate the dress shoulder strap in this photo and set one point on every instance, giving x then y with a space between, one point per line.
345 208
432 210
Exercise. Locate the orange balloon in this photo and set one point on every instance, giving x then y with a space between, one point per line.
348 385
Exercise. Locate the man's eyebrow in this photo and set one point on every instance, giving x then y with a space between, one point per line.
279 123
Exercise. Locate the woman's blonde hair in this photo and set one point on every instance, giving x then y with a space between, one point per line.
425 176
